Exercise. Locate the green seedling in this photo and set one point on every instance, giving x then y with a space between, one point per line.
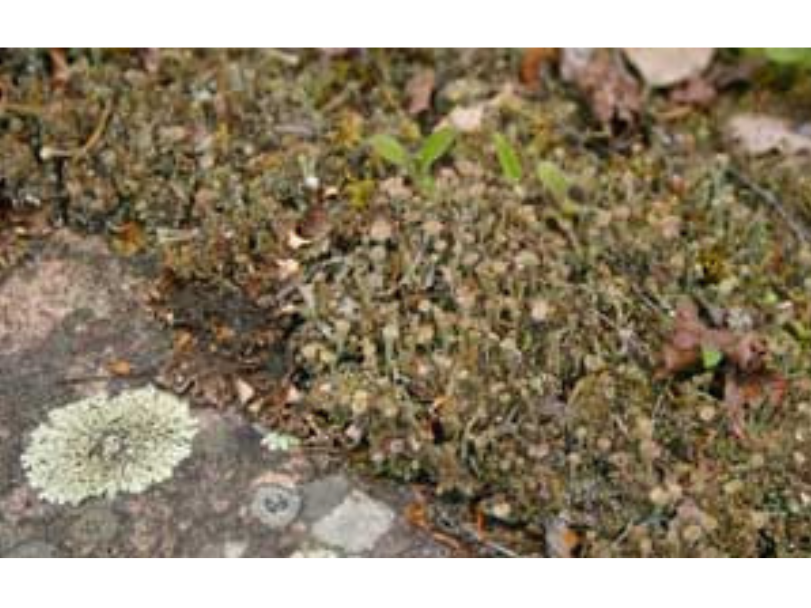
508 159
416 165
793 57
553 180
711 357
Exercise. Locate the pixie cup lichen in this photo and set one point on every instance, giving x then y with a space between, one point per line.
102 446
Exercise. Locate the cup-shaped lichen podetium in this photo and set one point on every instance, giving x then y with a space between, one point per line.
102 445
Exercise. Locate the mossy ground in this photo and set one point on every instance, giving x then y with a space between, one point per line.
492 341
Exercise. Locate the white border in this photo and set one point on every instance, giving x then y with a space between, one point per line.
409 583
443 23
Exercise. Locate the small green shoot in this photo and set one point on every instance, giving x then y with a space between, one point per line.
390 150
553 180
711 357
508 159
418 165
433 148
794 57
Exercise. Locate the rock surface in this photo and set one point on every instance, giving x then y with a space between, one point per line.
64 315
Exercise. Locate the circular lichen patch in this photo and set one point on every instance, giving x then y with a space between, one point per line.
102 446
276 506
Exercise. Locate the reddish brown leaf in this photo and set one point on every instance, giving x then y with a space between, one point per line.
419 91
315 222
748 353
60 71
532 61
695 92
746 379
612 94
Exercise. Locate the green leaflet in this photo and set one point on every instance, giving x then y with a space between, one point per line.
508 159
554 180
711 357
434 148
391 150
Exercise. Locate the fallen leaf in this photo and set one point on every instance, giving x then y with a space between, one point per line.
419 91
129 239
150 60
660 67
182 340
758 134
696 92
562 540
532 62
119 367
60 71
245 392
287 268
737 358
315 222
466 120
612 95
294 241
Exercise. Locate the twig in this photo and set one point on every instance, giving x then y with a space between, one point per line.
48 152
771 199
472 536
111 376
21 109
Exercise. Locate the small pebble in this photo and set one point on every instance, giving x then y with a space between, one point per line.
659 496
707 413
692 533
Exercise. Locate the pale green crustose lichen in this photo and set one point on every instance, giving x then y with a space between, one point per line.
102 445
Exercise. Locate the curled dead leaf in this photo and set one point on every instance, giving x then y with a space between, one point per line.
420 90
611 93
739 361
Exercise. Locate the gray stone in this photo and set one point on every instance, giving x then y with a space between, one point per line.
32 549
96 525
323 495
276 506
356 524
234 548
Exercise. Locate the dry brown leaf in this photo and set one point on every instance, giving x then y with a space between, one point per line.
60 71
696 92
663 67
183 339
532 61
746 379
129 239
420 90
119 367
613 96
315 222
758 134
562 540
